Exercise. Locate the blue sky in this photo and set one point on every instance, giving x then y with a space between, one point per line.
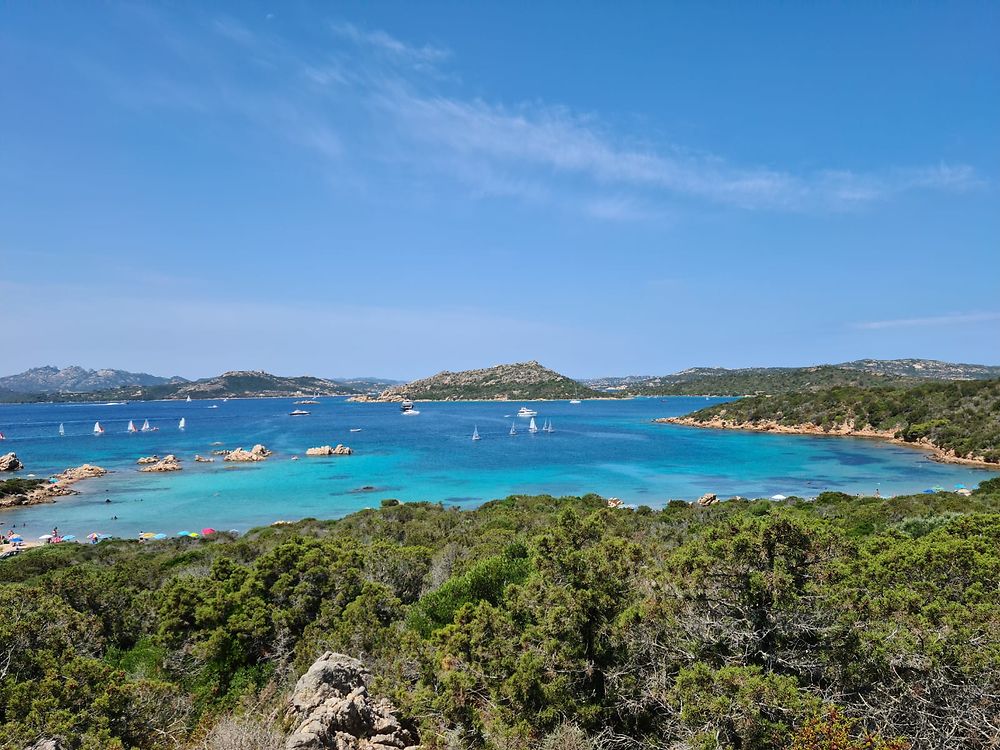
399 188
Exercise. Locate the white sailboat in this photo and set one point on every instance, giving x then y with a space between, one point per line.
475 433
513 428
548 427
188 399
62 430
145 425
98 430
532 427
131 426
182 424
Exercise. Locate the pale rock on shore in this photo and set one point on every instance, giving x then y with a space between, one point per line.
59 486
331 708
326 450
845 429
10 462
167 463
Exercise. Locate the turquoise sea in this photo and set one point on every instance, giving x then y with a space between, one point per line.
609 447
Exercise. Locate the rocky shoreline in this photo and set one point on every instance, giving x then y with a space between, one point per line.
60 485
842 430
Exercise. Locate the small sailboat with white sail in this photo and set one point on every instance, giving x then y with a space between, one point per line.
131 427
98 430
188 399
145 426
532 427
62 430
182 424
548 426
475 433
513 428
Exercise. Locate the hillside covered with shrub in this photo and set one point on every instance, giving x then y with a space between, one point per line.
530 622
958 417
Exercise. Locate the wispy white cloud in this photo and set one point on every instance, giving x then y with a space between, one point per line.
383 43
370 97
532 137
939 320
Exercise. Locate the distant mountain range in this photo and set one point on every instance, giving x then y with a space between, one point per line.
78 380
720 381
520 381
523 380
78 384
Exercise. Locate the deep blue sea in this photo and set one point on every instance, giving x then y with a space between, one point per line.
609 447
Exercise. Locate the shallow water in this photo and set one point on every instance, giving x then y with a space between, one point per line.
610 447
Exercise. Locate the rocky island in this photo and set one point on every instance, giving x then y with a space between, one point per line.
520 381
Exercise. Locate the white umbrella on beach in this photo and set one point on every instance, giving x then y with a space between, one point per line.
778 497
45 537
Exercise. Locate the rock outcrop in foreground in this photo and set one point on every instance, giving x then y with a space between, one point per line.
332 710
326 450
10 462
257 453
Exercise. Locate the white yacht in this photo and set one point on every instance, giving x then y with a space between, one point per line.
574 401
524 411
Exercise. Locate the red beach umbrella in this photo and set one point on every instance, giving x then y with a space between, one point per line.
206 532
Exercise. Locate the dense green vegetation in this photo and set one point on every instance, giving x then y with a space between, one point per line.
18 486
959 416
533 622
